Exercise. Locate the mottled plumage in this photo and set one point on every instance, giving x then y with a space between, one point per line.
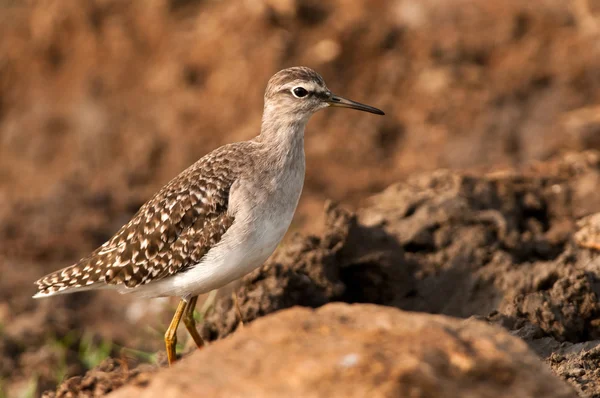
219 219
169 233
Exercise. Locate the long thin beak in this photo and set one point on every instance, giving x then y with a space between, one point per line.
340 102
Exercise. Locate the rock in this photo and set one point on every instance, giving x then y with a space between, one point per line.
342 350
579 365
569 311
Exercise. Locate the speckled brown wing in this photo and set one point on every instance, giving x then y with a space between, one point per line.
169 233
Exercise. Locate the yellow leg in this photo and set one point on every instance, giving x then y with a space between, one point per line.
171 334
190 322
234 297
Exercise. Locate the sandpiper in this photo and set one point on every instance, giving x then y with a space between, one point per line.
216 221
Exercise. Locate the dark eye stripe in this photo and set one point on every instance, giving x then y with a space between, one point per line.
322 95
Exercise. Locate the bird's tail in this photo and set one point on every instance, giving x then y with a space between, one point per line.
75 278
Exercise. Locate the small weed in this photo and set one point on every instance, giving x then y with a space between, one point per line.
143 356
60 347
90 353
200 316
30 390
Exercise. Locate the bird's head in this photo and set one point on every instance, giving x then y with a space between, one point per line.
296 93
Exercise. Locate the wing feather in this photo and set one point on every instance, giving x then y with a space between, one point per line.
169 233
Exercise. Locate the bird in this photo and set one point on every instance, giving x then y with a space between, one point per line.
216 221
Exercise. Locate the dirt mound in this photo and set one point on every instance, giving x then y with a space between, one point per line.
359 351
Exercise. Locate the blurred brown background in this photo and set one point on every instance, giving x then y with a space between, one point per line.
102 102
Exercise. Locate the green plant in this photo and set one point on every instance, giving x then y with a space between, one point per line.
60 347
90 353
200 315
30 390
149 357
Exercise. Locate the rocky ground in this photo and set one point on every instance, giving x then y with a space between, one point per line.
102 103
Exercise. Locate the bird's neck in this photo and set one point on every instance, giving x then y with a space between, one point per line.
282 139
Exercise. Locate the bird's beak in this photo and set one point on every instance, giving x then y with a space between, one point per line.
340 102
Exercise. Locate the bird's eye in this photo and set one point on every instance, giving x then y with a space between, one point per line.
299 92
